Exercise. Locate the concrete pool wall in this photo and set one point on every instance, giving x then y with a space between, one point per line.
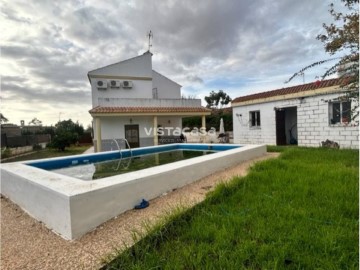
72 207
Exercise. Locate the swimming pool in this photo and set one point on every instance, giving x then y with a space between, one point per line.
90 167
101 169
71 206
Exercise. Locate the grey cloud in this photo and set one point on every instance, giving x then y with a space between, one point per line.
93 25
19 52
33 95
15 79
51 66
10 14
27 110
194 79
62 75
194 41
189 32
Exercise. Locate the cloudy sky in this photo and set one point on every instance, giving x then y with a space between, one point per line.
241 47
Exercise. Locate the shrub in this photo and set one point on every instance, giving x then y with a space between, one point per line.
66 133
5 153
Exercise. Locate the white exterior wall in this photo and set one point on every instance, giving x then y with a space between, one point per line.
314 127
114 127
312 123
149 102
250 135
140 89
140 66
166 88
175 122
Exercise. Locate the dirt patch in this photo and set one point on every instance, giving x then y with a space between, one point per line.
28 244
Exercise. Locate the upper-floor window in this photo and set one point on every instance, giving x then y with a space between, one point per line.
340 112
255 119
155 93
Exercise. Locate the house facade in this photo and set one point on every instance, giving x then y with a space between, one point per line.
132 101
304 115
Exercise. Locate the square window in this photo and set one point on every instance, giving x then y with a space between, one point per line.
340 112
255 119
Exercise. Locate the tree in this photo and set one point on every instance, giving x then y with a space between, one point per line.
35 122
342 36
216 98
66 133
88 129
49 130
3 119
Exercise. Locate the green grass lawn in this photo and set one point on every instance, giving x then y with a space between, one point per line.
299 211
49 153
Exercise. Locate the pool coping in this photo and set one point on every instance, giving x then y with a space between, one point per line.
71 207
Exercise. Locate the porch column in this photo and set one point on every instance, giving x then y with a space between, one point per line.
203 121
155 130
98 134
203 129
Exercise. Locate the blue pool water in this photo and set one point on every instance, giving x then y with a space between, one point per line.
105 164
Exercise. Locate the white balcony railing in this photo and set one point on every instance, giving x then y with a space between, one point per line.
148 102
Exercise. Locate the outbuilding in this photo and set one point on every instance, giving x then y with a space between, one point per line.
304 115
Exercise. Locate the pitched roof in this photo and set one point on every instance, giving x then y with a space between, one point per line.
135 110
166 78
290 90
122 61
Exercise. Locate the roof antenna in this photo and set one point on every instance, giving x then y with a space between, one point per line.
303 76
150 36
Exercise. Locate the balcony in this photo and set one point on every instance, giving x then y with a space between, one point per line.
148 102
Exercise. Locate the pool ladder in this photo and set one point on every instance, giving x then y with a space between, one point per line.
119 148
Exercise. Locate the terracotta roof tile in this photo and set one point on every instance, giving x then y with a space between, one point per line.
148 110
290 90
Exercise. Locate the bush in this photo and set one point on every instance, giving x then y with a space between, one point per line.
5 153
212 120
66 133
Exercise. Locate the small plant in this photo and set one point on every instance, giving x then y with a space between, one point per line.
5 153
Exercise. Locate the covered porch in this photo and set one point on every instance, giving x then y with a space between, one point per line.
140 126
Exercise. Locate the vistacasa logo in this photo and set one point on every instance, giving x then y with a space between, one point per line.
178 131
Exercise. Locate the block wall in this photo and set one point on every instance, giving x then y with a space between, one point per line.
313 125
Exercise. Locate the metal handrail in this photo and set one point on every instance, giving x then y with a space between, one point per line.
125 166
128 145
119 147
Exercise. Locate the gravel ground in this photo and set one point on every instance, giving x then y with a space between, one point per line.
28 244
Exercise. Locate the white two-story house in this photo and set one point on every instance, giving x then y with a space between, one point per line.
132 101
